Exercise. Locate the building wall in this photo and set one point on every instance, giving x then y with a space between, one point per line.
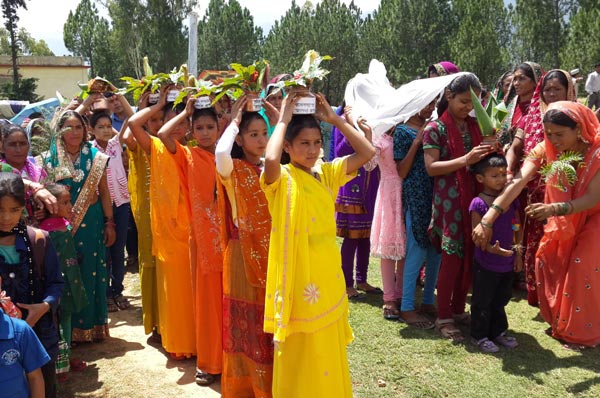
53 73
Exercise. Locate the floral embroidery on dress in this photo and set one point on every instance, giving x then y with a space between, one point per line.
311 293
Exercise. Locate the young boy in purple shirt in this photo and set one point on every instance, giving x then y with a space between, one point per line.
494 268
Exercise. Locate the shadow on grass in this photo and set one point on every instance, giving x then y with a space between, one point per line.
531 360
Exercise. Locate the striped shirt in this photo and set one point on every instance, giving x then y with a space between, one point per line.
115 171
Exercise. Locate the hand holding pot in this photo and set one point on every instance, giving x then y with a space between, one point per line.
238 108
324 110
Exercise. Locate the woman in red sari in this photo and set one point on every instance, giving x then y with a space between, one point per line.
556 85
567 270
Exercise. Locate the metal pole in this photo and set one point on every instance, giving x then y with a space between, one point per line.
193 45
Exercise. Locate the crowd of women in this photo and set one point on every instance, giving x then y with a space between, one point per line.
237 213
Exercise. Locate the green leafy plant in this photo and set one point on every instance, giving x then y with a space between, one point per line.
154 81
251 78
561 173
489 118
309 72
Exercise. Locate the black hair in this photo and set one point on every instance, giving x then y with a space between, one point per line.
556 74
247 117
12 185
558 117
597 65
494 159
505 75
296 125
461 84
527 69
69 114
210 112
56 189
96 116
9 129
169 107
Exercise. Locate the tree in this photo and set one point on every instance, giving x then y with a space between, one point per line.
9 11
541 27
480 42
227 34
27 44
581 49
85 34
25 91
407 36
129 23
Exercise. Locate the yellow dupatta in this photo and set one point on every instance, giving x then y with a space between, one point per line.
305 285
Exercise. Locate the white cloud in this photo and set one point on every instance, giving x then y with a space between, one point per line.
44 19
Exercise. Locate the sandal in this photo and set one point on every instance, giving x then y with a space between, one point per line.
390 311
122 302
353 295
448 330
365 287
111 305
462 319
417 321
77 365
204 379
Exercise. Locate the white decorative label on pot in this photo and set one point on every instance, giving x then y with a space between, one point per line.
172 96
305 106
202 102
254 104
153 97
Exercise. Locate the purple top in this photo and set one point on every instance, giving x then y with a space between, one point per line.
502 232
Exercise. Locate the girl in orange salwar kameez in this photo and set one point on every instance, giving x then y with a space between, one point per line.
197 175
245 230
169 215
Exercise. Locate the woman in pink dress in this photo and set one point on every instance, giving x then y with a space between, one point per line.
388 240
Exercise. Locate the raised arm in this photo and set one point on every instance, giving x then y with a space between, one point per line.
139 136
272 169
165 132
363 149
223 151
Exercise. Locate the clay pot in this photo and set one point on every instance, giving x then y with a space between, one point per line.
254 103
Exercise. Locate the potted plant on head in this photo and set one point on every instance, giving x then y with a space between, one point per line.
302 81
249 80
154 81
95 85
489 118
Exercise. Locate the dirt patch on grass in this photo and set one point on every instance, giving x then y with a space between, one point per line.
129 364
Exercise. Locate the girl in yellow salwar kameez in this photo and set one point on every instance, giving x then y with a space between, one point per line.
169 215
150 119
245 230
306 306
197 175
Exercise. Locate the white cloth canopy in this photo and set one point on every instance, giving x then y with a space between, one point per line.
372 97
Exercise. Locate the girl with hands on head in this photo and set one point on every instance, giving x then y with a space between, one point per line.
245 229
306 303
196 184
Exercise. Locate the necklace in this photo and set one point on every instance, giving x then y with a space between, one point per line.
489 196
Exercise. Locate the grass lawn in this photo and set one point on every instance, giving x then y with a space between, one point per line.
416 363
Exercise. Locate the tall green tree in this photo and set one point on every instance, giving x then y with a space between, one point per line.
129 25
28 45
165 36
582 49
227 34
9 12
289 39
85 34
540 30
407 36
480 42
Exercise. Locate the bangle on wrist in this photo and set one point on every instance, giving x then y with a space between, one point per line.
109 219
110 224
486 225
497 208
